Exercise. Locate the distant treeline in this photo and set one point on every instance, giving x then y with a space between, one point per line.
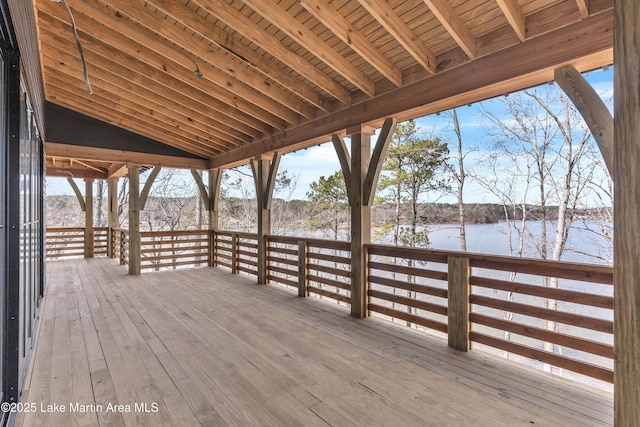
489 213
64 211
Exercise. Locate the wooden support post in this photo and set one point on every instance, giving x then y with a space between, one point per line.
458 298
134 220
210 198
626 276
234 253
361 170
360 219
264 174
112 214
89 243
215 179
302 268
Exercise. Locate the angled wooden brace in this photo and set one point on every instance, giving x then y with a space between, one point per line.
79 195
345 160
201 189
147 186
593 110
377 159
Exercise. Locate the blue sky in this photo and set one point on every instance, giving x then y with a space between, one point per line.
311 163
315 161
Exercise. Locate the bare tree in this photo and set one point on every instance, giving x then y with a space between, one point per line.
545 126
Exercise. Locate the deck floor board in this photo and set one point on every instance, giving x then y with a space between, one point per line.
205 347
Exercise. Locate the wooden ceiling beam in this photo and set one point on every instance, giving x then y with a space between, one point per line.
61 86
118 9
226 13
454 25
154 108
586 44
211 62
86 105
157 82
159 55
75 98
121 156
389 19
289 25
339 26
74 173
512 11
58 33
63 98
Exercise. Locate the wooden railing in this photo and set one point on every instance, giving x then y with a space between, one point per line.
69 242
120 244
237 251
554 313
100 241
172 249
313 266
409 285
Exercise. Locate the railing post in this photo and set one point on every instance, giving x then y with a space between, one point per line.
458 299
234 253
302 268
112 214
121 247
212 248
89 235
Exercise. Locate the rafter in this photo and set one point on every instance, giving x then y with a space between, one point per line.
113 87
72 96
242 53
512 11
146 79
261 38
454 25
587 42
146 63
140 100
583 7
288 24
209 61
339 26
389 19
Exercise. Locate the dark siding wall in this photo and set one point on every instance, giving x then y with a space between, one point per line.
24 23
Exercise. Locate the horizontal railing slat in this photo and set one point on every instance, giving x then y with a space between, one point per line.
576 297
573 365
586 322
423 289
325 281
410 302
582 344
411 271
329 294
427 323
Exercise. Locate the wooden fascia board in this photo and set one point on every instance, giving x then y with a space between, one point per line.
75 173
122 156
589 39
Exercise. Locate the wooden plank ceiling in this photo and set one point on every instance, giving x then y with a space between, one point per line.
229 80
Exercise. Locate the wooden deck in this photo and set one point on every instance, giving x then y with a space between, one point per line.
205 347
